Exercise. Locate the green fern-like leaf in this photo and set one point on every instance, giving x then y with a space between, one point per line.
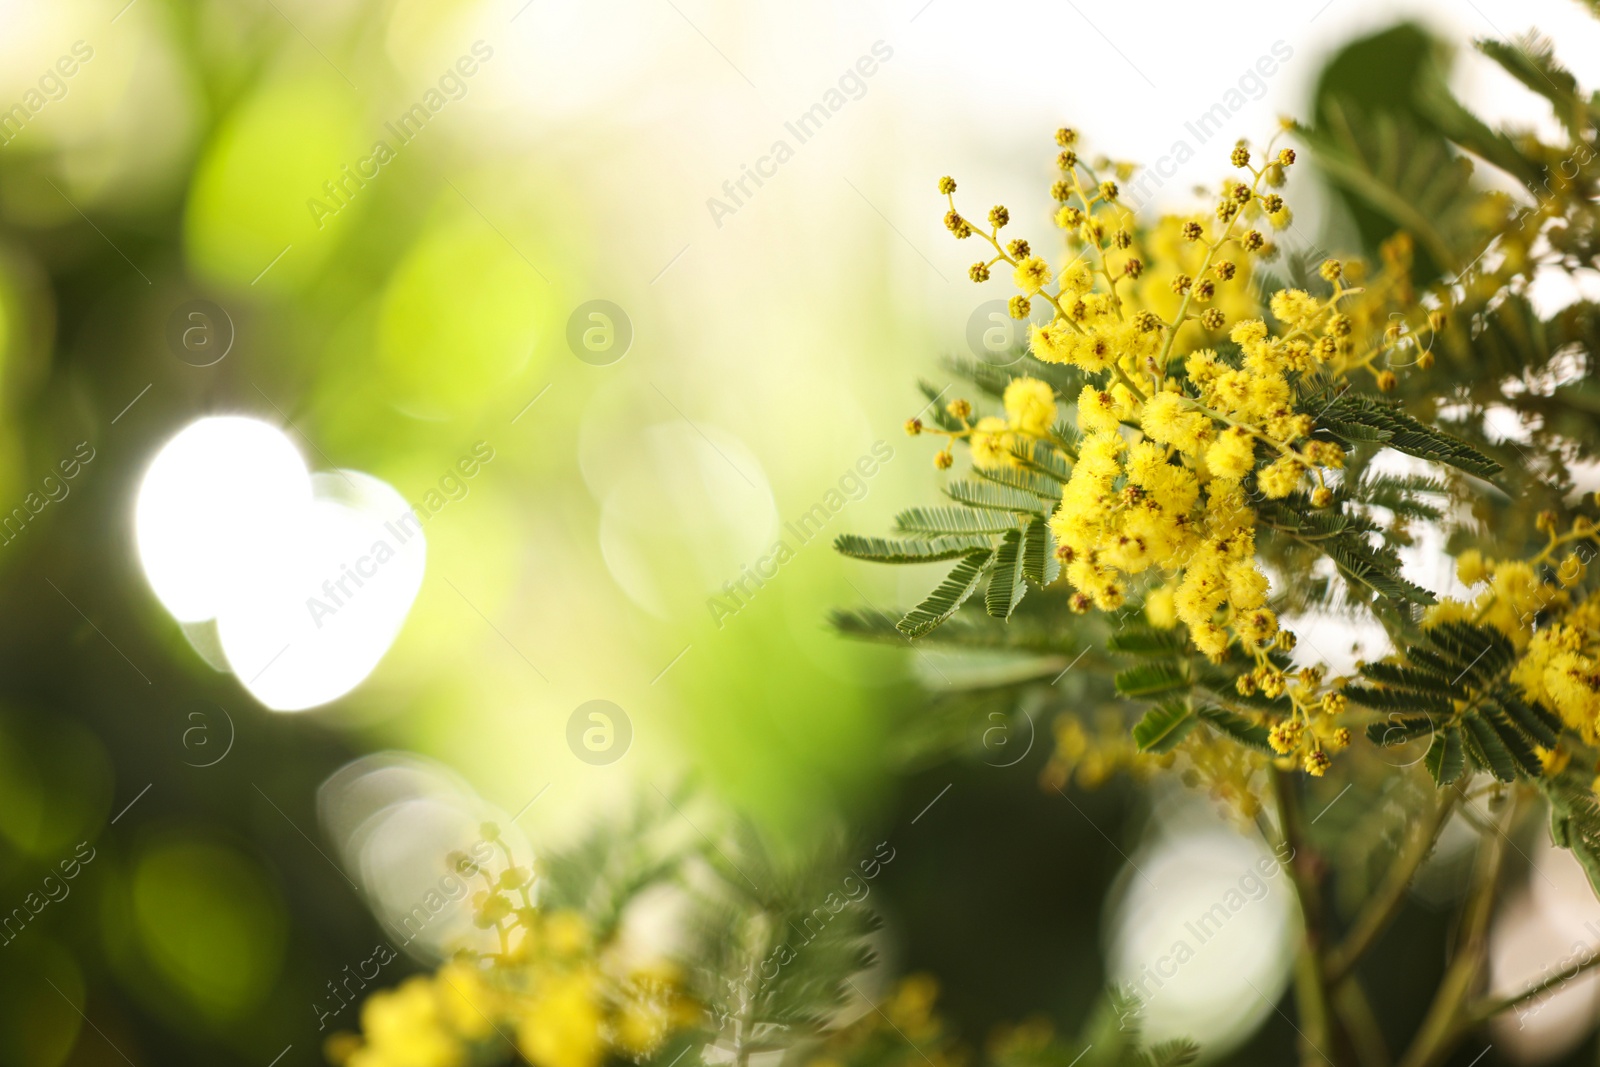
936 522
1039 563
1022 635
1400 700
1064 431
1006 584
1486 749
1445 760
1532 718
1425 680
1397 730
1179 1052
1410 178
1401 494
1357 417
879 550
1575 823
993 378
1455 681
995 498
1363 565
1241 729
936 397
1515 742
1531 60
951 593
1150 679
1042 457
1163 727
1467 130
1023 479
988 377
1147 641
1452 661
1484 649
1345 537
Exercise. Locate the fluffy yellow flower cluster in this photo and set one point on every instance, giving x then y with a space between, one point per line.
1310 736
426 1021
1560 662
1159 479
1562 670
1091 754
1514 594
1185 422
552 991
1030 413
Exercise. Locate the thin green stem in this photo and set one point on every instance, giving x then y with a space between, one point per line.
1311 990
1356 1018
1105 267
1447 1019
1384 904
1487 1009
1127 382
1255 432
1205 265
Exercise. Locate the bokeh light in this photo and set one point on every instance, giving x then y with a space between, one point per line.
219 497
1201 933
309 577
320 608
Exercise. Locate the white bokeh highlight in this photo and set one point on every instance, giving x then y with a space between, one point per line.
219 494
304 579
394 818
323 608
1200 928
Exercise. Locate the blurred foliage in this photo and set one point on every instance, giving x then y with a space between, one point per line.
421 317
421 312
1486 385
771 958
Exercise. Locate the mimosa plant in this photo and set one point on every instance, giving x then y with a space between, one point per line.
1207 444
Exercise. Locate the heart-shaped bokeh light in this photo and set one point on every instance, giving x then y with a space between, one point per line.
306 577
215 500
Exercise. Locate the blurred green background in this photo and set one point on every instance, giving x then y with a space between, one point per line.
200 151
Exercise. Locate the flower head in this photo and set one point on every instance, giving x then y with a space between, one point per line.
1030 405
1032 274
991 444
